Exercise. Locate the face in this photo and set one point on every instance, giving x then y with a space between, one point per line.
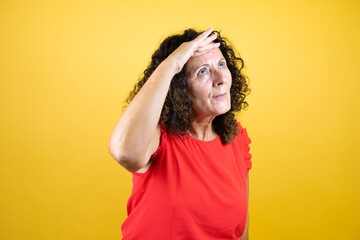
209 82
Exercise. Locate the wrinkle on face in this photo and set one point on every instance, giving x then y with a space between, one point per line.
203 88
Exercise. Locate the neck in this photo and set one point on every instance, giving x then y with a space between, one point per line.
202 129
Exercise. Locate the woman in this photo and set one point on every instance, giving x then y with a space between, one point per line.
179 138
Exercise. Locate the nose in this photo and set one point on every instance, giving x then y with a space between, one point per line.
219 77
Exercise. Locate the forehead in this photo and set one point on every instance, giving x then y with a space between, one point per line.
196 61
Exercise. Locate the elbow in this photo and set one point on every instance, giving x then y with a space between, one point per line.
130 163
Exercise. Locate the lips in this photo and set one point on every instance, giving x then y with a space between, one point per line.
220 96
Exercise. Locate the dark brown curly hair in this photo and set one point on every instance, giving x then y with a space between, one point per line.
177 114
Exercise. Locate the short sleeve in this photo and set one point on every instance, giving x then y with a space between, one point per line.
161 143
246 140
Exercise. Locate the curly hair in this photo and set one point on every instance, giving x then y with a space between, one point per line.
177 113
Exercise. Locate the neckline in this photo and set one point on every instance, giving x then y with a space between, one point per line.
201 141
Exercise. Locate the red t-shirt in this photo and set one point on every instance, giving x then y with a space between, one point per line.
193 189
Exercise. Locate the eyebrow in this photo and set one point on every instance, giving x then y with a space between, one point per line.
205 64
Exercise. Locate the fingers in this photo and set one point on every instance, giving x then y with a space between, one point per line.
205 49
200 45
204 42
203 36
207 41
208 47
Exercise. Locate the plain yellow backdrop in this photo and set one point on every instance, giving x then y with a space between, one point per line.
67 66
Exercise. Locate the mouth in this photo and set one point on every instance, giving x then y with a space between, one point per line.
220 96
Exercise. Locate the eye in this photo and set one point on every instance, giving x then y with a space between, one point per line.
222 64
202 72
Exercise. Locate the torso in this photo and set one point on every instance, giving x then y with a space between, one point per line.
194 189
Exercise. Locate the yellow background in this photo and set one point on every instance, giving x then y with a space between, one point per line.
67 66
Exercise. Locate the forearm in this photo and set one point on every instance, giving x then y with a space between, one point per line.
137 125
134 135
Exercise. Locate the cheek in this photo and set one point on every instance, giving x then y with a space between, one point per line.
201 91
200 99
228 76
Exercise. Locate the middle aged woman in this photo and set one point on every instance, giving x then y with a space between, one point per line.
179 138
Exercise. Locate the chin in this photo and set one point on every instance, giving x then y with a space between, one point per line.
223 110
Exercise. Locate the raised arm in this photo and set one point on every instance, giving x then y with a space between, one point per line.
136 135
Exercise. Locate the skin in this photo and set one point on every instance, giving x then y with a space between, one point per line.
207 77
136 135
209 82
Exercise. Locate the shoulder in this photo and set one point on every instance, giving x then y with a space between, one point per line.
243 133
239 126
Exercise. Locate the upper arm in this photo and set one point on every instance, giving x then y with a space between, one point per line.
153 146
155 141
